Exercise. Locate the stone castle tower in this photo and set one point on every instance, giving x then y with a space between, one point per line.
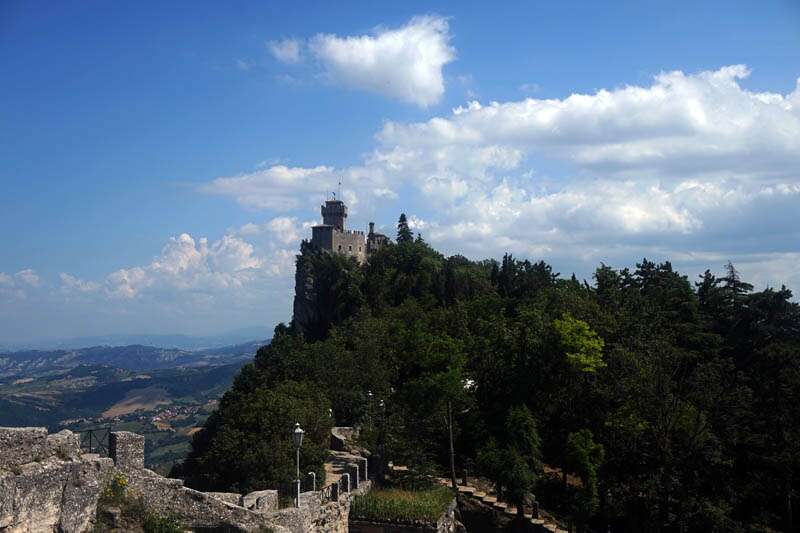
332 235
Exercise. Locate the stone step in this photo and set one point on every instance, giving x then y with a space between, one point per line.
478 494
537 521
489 499
511 510
466 489
500 506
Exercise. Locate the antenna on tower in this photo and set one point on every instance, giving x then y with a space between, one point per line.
340 187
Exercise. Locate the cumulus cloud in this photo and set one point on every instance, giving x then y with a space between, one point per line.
655 170
286 50
70 284
680 125
403 63
186 264
284 188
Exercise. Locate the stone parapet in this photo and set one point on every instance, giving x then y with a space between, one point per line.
19 446
127 450
261 501
47 485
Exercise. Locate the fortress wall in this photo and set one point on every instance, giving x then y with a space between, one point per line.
322 237
250 512
350 243
47 484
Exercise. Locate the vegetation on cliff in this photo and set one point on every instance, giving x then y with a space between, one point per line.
674 403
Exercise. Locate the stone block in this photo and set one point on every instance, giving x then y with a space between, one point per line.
127 450
262 501
231 497
19 446
64 445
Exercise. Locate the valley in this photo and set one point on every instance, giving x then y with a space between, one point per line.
163 393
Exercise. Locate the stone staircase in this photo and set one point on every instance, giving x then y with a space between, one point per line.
502 507
491 500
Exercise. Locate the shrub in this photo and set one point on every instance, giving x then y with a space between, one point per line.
402 506
158 523
114 491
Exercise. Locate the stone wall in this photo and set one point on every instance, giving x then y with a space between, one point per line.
250 512
47 485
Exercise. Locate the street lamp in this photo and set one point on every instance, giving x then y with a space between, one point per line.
313 481
369 408
298 442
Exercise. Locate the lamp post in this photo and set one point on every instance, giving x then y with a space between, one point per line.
369 408
313 481
298 442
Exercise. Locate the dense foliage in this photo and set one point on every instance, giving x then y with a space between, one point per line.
674 403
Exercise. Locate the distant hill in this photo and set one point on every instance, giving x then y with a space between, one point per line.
177 341
37 363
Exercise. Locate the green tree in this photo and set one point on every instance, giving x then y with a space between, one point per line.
583 347
404 233
584 457
246 445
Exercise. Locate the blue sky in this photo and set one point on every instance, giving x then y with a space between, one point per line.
130 132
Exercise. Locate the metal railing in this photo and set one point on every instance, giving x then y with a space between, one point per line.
95 440
331 492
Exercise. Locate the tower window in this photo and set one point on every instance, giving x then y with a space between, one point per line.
350 248
340 247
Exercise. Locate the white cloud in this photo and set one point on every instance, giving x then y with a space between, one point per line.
277 187
283 188
71 284
403 63
16 287
679 126
28 277
286 50
186 264
690 164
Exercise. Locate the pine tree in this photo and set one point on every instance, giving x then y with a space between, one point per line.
404 233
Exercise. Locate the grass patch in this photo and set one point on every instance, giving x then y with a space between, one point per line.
402 506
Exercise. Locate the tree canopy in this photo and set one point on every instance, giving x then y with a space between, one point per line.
674 404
